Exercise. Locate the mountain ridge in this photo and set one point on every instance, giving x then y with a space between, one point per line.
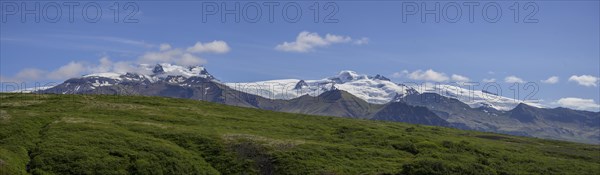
339 96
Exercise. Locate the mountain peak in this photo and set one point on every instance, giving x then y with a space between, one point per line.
158 69
336 94
177 70
347 75
301 84
522 105
151 73
380 77
524 113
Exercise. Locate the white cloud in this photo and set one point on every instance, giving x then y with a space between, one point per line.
104 66
166 54
125 67
400 74
551 80
189 59
336 38
180 56
428 75
431 75
177 56
585 80
513 79
460 78
186 57
489 80
72 69
361 41
307 41
164 47
30 74
578 103
211 47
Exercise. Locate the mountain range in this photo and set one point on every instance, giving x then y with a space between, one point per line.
351 95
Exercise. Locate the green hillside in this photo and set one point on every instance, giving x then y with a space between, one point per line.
95 134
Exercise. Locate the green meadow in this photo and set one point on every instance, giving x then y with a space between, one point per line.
101 134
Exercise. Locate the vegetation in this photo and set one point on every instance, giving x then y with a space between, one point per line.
99 134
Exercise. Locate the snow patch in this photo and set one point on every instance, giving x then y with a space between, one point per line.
110 75
370 89
474 98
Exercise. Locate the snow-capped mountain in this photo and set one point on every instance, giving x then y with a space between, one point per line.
349 94
145 74
474 98
373 89
156 72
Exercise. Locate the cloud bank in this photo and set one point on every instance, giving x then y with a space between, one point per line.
431 75
551 80
307 41
585 80
513 79
165 54
428 75
578 103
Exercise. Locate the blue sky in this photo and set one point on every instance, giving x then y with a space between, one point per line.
564 43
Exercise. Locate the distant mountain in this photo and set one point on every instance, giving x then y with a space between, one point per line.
401 112
373 89
31 90
167 80
474 98
558 123
333 103
160 74
350 95
523 120
164 80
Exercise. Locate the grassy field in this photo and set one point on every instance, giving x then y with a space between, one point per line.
94 134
